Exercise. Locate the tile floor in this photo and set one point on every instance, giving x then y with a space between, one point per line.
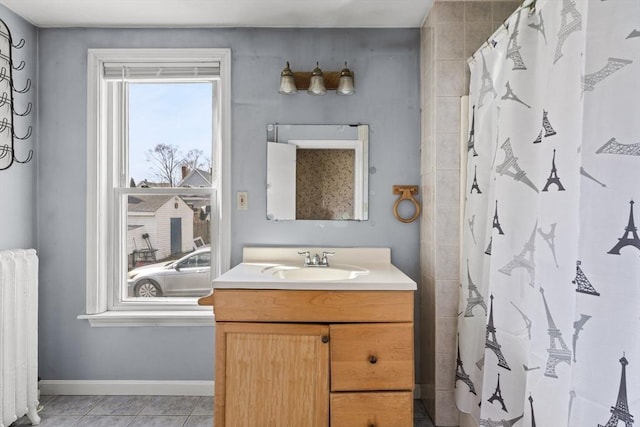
142 411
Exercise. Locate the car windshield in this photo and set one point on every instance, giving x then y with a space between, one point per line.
197 260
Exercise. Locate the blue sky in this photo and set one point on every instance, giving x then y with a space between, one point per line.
167 113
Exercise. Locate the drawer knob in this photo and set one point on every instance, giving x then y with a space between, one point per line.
373 359
325 339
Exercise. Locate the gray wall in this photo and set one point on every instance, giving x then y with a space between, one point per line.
386 64
18 183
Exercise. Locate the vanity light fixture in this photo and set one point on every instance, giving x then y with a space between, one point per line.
317 82
287 82
345 85
316 85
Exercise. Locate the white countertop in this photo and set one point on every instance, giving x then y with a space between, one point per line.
251 274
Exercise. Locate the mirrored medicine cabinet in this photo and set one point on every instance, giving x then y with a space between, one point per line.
317 172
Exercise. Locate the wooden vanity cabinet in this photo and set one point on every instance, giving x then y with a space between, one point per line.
313 358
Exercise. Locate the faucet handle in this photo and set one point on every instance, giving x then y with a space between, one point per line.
307 257
325 255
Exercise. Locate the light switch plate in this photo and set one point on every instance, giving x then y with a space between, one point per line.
242 201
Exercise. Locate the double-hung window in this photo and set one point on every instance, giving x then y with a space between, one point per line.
157 183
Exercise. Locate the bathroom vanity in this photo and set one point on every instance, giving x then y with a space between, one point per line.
331 347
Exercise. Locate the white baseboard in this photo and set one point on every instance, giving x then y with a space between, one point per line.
155 388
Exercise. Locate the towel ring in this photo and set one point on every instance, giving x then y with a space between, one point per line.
406 192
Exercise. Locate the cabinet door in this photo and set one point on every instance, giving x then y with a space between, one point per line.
272 375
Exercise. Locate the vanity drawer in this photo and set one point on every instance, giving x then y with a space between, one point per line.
386 409
375 356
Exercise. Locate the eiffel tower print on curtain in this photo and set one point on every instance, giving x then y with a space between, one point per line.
524 259
496 221
533 415
472 222
497 395
586 174
511 168
540 27
510 95
620 412
550 239
474 185
567 27
547 130
502 423
471 142
584 285
492 343
553 176
556 355
488 250
461 375
572 396
513 48
525 318
590 81
487 83
578 325
630 236
475 297
614 147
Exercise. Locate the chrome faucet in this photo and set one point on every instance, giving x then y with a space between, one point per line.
316 260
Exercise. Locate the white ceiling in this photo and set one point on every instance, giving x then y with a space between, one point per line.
222 13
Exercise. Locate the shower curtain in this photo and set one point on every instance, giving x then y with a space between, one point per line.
549 318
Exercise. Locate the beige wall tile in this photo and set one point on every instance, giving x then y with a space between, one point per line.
447 223
447 298
446 412
446 328
480 11
501 10
445 371
476 33
450 78
430 263
428 238
467 79
452 11
447 262
447 114
447 150
447 187
449 41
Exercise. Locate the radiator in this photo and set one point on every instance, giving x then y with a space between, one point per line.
18 336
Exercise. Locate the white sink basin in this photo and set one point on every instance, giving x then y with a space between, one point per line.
350 269
338 272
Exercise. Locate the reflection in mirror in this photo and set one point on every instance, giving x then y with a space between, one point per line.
317 172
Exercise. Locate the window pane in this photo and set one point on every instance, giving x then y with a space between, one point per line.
168 245
170 134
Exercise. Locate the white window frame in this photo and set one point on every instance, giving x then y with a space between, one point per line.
102 309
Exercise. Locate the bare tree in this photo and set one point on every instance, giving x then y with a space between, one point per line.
166 160
195 159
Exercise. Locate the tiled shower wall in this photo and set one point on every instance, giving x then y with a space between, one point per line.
452 32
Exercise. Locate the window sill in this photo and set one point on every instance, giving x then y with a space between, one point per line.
149 318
